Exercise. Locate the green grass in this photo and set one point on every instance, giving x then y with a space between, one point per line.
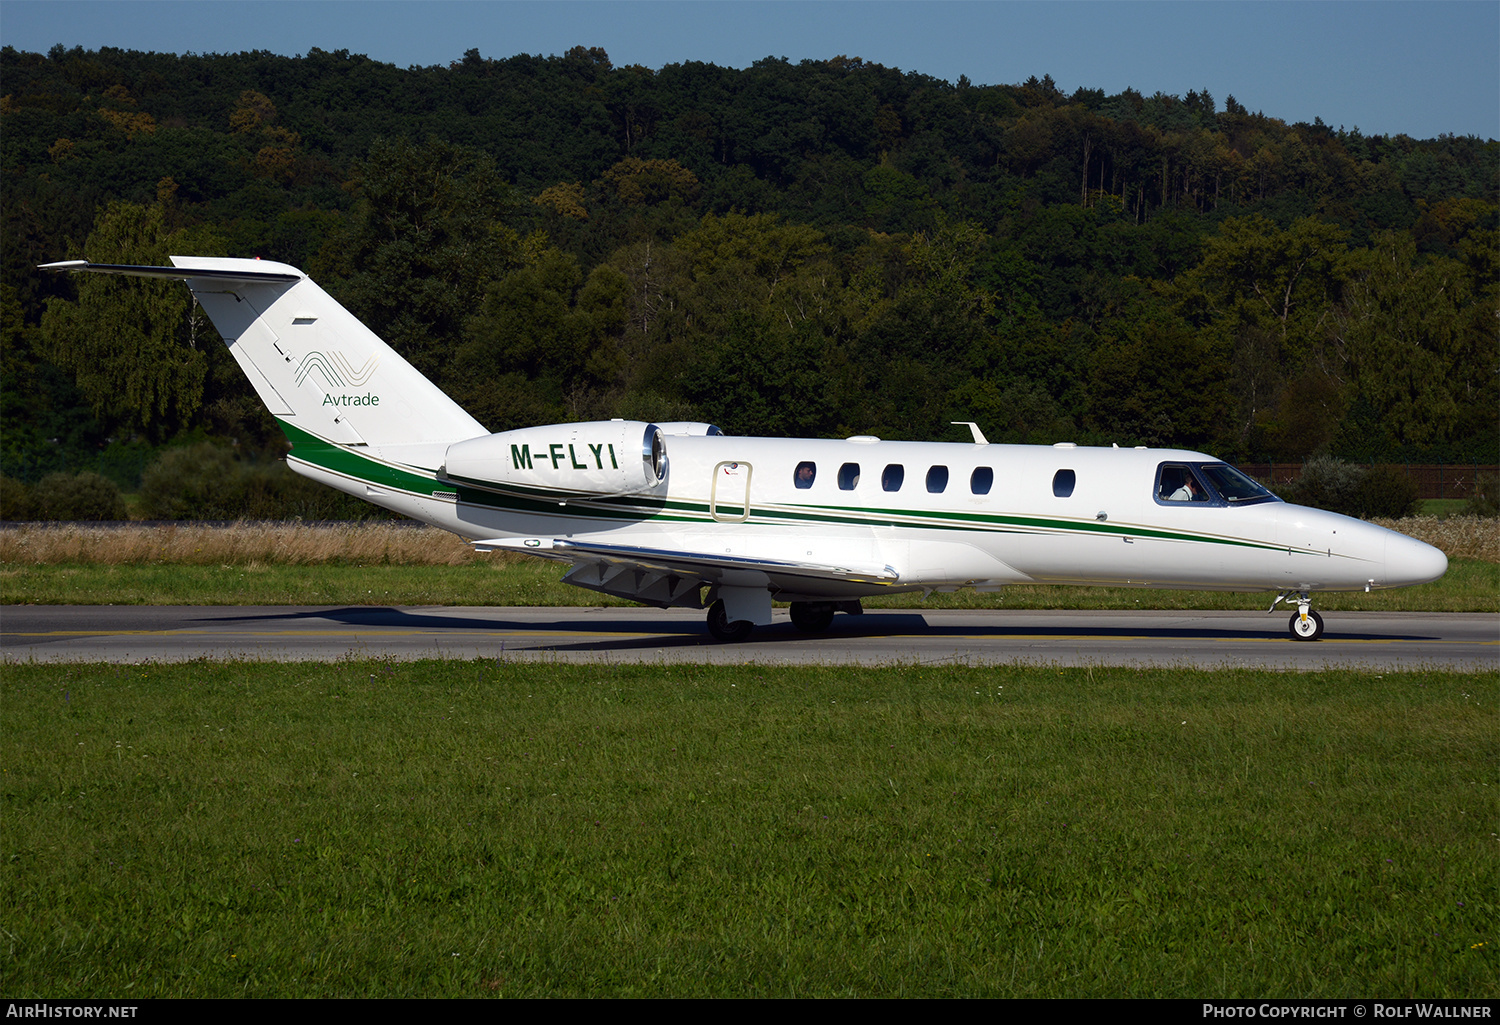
1444 507
482 828
1470 585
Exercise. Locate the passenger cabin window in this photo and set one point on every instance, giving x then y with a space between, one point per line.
1063 482
891 478
848 476
982 480
805 474
937 480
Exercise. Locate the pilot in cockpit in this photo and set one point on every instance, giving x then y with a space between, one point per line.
1189 492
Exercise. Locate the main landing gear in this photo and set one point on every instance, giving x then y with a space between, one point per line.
722 629
812 617
807 616
1305 624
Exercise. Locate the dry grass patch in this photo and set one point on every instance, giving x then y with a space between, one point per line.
403 544
241 544
1459 537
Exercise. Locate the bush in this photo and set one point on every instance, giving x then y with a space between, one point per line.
1386 491
1486 498
81 496
15 500
199 482
206 482
1354 490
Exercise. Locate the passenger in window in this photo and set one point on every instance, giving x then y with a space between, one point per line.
891 478
806 473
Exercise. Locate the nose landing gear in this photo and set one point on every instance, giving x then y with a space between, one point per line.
1305 624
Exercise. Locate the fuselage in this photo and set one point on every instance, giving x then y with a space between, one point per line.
939 516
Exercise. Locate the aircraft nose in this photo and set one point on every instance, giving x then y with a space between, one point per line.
1409 561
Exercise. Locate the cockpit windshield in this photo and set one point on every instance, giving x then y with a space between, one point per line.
1207 484
1233 486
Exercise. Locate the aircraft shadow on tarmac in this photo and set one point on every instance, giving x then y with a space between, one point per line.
684 632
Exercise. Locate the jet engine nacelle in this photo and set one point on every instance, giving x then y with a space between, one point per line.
608 457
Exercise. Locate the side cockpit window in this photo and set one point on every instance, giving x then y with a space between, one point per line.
805 474
1176 482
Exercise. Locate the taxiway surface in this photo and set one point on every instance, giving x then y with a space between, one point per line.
1377 640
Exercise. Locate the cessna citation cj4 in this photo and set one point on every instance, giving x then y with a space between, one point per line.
678 514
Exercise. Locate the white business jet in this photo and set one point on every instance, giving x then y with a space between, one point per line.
678 514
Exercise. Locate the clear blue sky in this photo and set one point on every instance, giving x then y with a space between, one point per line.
1422 68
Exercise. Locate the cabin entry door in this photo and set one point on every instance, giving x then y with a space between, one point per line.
729 495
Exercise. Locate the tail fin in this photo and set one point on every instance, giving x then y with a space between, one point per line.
320 372
316 366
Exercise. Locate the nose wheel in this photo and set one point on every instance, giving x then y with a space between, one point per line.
1308 627
1305 624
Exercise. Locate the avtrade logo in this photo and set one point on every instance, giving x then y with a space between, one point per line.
336 370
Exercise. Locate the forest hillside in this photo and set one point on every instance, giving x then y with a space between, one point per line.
821 248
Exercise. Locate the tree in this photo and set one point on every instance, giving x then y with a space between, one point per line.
755 380
755 265
641 182
1265 295
1281 279
542 345
944 261
1406 342
421 245
135 346
1158 384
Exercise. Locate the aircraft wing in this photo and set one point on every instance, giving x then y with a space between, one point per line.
667 577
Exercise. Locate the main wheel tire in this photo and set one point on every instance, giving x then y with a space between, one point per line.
722 629
1309 629
812 617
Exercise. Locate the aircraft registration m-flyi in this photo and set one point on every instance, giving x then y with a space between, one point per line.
679 514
